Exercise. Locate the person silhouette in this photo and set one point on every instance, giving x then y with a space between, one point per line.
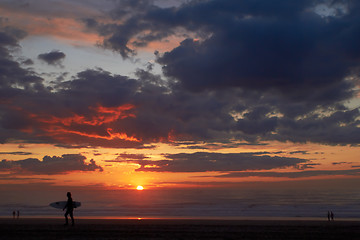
69 210
332 216
328 215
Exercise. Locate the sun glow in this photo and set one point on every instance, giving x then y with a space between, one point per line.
139 188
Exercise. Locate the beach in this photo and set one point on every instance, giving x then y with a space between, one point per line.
177 229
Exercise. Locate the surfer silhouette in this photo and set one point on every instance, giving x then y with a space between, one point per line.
69 210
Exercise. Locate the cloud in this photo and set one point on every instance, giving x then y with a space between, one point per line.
15 153
207 161
117 36
125 157
50 165
53 57
340 163
341 126
257 46
118 111
97 108
271 55
129 156
12 177
55 9
12 76
299 174
59 19
28 62
265 50
299 152
307 165
111 110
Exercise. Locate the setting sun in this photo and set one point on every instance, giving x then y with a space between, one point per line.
139 188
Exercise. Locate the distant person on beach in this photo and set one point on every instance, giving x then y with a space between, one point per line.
332 216
328 215
69 210
14 214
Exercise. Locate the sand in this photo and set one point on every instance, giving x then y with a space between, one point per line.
177 229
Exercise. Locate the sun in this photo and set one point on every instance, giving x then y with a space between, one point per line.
139 188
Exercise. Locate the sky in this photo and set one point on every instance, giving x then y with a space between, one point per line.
216 107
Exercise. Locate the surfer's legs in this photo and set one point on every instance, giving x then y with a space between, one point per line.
66 218
72 218
69 212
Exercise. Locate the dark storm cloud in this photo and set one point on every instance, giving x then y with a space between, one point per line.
14 82
50 165
268 52
98 108
299 174
280 46
11 73
141 16
206 161
75 115
53 57
283 66
341 126
93 107
159 112
9 37
132 13
6 39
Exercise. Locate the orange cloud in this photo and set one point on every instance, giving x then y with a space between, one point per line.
101 116
63 28
60 133
96 126
162 46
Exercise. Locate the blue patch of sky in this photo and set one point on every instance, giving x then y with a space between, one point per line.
80 58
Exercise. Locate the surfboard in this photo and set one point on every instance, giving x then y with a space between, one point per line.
62 204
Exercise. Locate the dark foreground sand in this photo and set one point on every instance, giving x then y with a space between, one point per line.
177 229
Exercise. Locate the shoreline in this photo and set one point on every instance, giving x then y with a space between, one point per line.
101 229
177 221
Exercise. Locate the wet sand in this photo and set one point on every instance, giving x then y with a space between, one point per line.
177 229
